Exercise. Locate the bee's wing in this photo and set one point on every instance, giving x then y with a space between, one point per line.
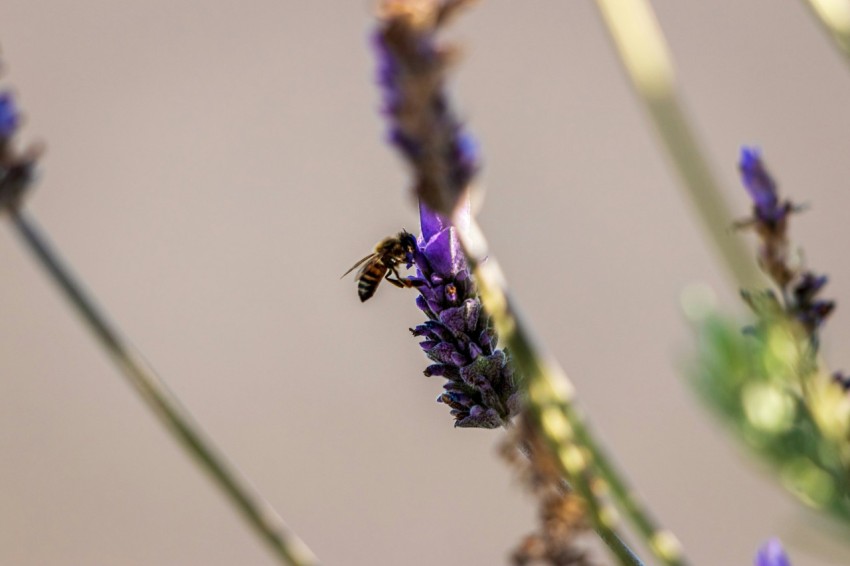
359 263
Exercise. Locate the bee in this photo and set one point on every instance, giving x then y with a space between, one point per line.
389 254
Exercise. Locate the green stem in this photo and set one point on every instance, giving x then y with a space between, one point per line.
834 15
265 521
639 515
551 404
633 29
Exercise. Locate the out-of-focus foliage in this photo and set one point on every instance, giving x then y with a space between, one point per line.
796 419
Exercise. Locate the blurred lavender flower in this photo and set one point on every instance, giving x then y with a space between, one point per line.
481 387
799 289
771 554
16 169
412 69
772 389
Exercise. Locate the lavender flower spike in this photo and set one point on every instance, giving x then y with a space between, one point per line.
412 69
771 554
799 289
480 387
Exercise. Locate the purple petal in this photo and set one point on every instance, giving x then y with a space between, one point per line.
442 370
757 180
442 353
454 319
458 359
8 116
422 303
439 250
430 222
439 243
771 554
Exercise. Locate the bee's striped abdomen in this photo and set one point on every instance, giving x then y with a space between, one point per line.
369 278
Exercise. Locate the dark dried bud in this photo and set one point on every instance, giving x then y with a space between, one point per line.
16 169
842 380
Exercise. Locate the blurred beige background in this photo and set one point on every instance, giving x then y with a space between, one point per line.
213 168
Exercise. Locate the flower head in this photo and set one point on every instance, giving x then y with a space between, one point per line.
458 336
771 554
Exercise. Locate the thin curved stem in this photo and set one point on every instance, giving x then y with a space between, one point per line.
262 517
579 454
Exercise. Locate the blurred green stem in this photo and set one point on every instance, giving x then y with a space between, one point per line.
267 524
580 455
834 15
640 45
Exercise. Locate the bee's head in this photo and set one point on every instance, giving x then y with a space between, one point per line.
408 243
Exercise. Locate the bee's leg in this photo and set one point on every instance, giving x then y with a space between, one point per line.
398 281
395 282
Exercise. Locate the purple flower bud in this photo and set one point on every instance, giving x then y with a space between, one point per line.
479 417
422 303
771 554
443 370
442 352
8 117
759 184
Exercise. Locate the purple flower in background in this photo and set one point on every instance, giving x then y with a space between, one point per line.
771 554
8 117
799 288
481 387
767 208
